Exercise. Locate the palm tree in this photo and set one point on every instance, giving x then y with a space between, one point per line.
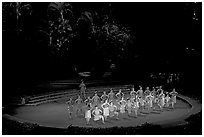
60 29
20 9
60 8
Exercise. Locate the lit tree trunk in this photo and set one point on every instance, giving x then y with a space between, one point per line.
62 17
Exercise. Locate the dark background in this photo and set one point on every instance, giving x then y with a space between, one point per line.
166 39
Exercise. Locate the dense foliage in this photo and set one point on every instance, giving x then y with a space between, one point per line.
67 33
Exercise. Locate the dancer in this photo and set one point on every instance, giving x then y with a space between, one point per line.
132 94
104 97
173 97
111 95
119 95
136 106
140 92
88 113
167 99
88 101
105 107
149 100
96 99
122 104
160 90
142 102
153 93
161 100
129 106
79 102
113 110
97 114
70 107
82 89
147 91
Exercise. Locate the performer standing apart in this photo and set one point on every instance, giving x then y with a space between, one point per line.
104 97
105 107
122 104
173 97
119 95
97 114
113 110
111 95
136 106
79 102
70 107
82 89
88 113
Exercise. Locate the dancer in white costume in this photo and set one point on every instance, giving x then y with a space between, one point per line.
173 97
82 89
113 110
70 107
140 92
104 97
95 99
119 95
129 106
160 90
142 102
149 100
111 96
147 91
167 99
132 94
105 107
88 113
79 102
97 113
122 104
136 106
153 93
161 99
88 101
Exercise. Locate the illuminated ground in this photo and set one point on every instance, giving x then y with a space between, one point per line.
55 115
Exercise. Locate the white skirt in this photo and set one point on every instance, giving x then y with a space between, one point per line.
88 114
106 112
97 117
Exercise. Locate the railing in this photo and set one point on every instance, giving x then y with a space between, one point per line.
65 94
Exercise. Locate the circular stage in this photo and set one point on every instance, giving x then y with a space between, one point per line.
54 114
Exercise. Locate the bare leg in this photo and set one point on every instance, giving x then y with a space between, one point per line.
136 113
70 115
105 117
102 119
117 115
172 104
87 121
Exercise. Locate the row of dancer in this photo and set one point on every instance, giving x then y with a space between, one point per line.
130 105
111 104
156 96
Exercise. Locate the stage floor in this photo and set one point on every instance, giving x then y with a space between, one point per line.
55 115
